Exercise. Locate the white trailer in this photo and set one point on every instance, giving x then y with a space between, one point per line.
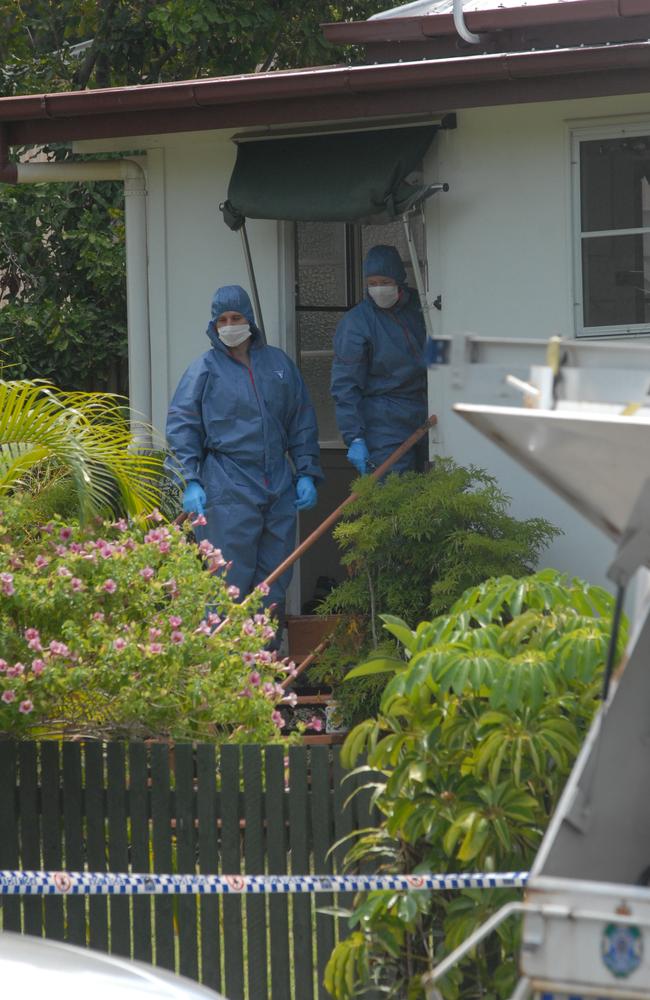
586 911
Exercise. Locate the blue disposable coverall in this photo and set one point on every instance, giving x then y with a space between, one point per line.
379 381
231 428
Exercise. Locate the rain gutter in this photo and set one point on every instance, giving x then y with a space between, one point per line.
132 176
419 27
334 81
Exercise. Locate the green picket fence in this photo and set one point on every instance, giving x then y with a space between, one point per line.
148 808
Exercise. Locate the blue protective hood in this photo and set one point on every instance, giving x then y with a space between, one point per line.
230 298
385 260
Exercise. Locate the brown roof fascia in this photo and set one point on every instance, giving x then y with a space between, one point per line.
314 95
482 21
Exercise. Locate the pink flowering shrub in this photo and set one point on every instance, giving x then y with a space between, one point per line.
112 631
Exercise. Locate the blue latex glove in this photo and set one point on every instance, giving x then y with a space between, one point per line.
306 494
194 498
358 455
434 352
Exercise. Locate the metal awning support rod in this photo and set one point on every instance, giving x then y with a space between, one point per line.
413 253
251 277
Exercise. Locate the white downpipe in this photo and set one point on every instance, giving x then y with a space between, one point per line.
137 286
461 27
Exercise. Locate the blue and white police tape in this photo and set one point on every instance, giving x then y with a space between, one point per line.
31 883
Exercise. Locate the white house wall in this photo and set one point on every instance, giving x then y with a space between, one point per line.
501 255
192 252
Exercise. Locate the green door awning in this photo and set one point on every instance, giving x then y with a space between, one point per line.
340 177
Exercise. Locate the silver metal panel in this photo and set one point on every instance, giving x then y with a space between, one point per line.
596 462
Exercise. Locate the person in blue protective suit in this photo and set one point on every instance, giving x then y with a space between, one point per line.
240 412
379 381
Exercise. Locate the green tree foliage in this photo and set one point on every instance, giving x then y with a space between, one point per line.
477 732
62 295
411 546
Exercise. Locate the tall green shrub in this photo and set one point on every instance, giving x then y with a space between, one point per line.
412 545
477 732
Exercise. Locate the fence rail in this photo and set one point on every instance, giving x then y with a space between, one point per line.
187 810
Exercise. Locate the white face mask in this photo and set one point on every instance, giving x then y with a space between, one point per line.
234 334
384 296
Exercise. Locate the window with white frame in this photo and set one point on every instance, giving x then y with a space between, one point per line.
612 218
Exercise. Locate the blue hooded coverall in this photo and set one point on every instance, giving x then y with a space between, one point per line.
379 381
231 428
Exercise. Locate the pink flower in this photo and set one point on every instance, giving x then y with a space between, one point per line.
25 706
155 633
65 534
76 548
121 525
246 693
291 669
7 584
60 550
38 666
146 573
164 548
260 619
203 629
40 561
76 584
264 656
130 544
315 723
109 586
248 658
199 521
213 618
48 528
269 689
59 648
98 616
254 679
63 571
156 647
248 628
206 547
263 588
268 632
106 551
277 720
290 699
119 644
32 633
177 637
175 621
8 696
233 592
35 645
172 586
155 515
3 666
17 670
153 536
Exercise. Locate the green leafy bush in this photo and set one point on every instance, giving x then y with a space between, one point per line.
412 545
104 632
477 732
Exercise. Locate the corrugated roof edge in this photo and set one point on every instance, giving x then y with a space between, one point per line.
419 26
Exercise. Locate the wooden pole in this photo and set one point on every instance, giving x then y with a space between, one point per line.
335 515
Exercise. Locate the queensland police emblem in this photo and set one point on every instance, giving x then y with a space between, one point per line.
621 949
